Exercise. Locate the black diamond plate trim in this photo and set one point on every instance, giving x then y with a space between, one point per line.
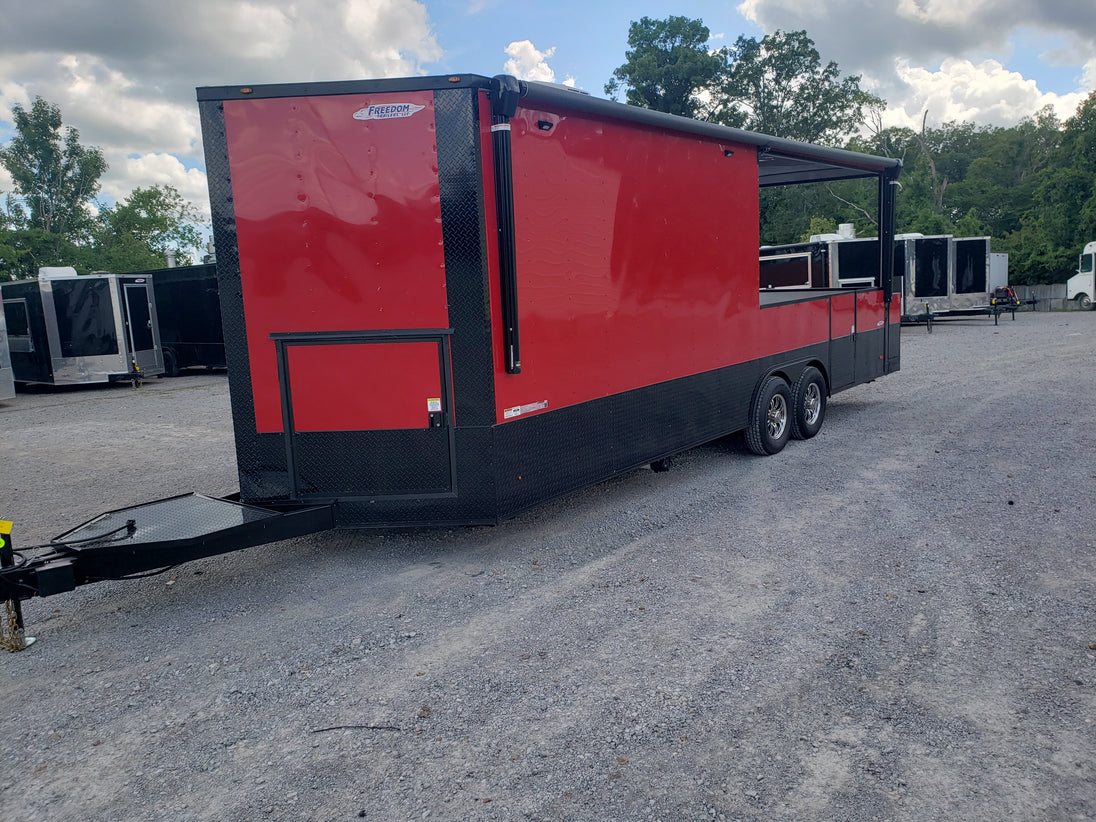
260 458
551 454
462 223
362 463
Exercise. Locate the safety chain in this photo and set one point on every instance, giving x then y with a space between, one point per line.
12 637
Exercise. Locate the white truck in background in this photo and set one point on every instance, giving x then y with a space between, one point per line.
1082 285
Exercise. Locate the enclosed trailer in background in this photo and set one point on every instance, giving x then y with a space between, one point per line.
970 283
1082 285
188 309
826 261
998 270
7 377
65 329
929 262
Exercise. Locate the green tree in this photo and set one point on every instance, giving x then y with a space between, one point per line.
778 85
56 177
24 250
668 66
136 233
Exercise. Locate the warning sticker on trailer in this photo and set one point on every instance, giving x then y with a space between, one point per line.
387 111
433 404
518 410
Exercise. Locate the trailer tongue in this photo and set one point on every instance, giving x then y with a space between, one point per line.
143 539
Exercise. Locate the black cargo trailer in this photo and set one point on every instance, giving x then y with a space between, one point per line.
189 311
971 258
929 262
826 262
66 329
7 379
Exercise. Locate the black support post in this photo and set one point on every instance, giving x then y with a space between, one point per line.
505 93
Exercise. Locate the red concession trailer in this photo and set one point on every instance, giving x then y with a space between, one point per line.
447 299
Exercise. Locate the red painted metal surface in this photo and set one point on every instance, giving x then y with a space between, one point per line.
364 387
871 311
843 315
786 327
339 226
637 262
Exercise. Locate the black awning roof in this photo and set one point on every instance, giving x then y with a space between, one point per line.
780 161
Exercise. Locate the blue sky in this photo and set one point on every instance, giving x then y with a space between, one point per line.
589 41
126 79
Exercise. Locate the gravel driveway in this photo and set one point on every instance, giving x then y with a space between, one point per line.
893 621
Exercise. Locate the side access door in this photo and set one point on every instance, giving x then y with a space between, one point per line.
367 414
142 333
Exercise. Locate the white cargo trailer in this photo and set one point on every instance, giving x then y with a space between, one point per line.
1082 285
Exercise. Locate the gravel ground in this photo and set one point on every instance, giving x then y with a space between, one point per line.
893 621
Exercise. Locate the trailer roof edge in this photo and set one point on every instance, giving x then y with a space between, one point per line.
768 145
780 160
333 87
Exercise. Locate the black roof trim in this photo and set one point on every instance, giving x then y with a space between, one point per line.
780 161
326 88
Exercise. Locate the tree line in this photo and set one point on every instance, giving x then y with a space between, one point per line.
54 218
1031 187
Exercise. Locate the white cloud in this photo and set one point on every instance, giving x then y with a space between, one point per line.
148 170
126 79
1088 78
528 63
986 93
897 48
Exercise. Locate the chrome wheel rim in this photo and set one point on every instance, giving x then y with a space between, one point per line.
777 418
812 404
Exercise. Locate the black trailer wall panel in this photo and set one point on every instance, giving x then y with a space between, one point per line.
27 336
930 274
188 307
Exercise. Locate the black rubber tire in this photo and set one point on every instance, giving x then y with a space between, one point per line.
1084 302
171 364
808 404
770 418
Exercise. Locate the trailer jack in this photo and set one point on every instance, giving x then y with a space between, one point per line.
139 541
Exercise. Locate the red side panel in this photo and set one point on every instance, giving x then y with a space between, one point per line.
844 316
871 311
339 227
636 258
787 327
376 386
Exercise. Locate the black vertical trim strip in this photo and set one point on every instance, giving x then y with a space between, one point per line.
888 186
464 238
504 200
287 416
260 458
444 357
505 94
